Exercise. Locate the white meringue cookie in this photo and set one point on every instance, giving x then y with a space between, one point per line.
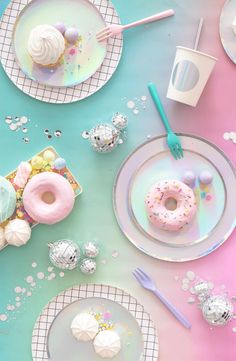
84 327
107 344
46 45
17 232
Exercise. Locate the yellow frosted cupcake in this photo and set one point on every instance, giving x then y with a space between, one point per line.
46 45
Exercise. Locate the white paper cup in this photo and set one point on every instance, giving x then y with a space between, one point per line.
189 76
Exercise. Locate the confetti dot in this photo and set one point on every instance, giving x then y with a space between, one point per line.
33 284
232 135
190 275
3 317
17 289
185 287
234 329
24 120
26 140
34 264
148 136
226 136
135 111
40 275
191 300
104 261
57 133
23 290
130 104
61 274
143 98
8 120
17 298
24 130
115 254
10 307
13 126
29 279
50 269
208 197
53 275
18 304
29 294
185 281
46 131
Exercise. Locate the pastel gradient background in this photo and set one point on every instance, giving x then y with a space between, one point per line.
148 56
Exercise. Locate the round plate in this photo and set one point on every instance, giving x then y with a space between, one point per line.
104 13
79 62
71 349
215 217
138 335
228 38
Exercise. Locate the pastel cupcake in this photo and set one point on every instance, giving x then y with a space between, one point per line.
46 45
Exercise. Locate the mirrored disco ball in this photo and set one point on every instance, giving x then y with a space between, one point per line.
64 254
217 310
104 138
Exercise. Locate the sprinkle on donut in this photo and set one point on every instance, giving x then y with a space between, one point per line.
160 214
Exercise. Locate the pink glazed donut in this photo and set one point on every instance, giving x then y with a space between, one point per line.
48 198
156 202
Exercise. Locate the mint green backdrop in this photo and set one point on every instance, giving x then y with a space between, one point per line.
147 56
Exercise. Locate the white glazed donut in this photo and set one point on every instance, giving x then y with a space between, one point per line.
48 198
166 219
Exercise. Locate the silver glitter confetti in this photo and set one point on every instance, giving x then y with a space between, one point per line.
58 133
26 140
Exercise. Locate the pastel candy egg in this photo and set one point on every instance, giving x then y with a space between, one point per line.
37 162
189 178
205 177
49 156
60 27
71 35
7 199
59 163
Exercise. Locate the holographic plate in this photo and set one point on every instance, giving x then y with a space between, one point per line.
228 38
216 214
102 11
52 339
71 350
80 61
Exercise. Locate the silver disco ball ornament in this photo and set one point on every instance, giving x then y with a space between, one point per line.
120 121
90 249
217 310
103 138
64 254
88 266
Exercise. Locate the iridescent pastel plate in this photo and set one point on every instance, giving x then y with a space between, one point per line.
228 38
80 61
113 308
216 213
106 311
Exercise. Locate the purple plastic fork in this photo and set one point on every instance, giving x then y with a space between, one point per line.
148 283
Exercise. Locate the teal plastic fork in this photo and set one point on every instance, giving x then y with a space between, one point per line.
173 140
